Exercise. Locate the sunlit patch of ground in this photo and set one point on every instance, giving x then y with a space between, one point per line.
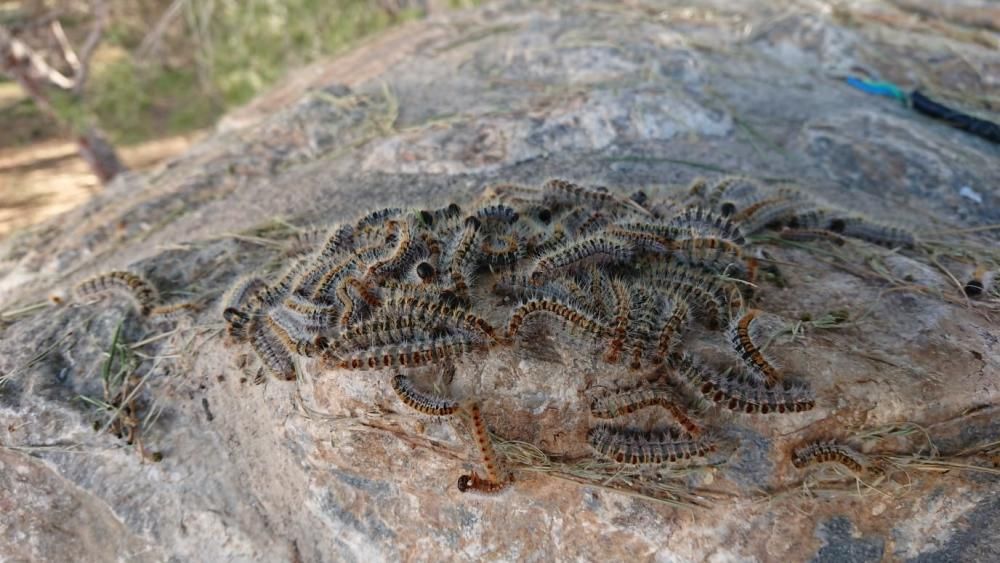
48 178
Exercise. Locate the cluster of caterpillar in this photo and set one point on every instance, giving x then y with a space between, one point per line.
403 289
794 214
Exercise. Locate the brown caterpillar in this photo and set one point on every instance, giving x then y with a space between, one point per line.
173 311
496 257
568 312
632 447
464 250
143 294
743 344
819 453
565 192
305 242
594 249
629 401
421 401
740 394
497 212
475 483
619 325
689 284
432 312
406 253
293 335
875 233
671 328
803 235
269 349
404 355
645 310
482 436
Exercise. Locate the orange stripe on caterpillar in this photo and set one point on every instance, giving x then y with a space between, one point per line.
421 401
749 352
632 447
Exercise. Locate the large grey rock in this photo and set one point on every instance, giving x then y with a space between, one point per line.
630 96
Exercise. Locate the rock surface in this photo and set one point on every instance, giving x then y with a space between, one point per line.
629 96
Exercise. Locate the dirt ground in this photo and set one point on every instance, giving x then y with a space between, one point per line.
47 178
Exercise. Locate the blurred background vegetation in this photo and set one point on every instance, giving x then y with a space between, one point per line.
163 72
167 67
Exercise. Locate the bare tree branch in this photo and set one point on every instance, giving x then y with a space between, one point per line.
91 42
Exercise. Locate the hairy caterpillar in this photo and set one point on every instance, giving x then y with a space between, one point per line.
421 401
632 447
743 343
629 401
143 294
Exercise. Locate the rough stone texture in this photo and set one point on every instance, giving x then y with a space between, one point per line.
631 96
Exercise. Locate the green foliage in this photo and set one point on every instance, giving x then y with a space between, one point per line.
215 55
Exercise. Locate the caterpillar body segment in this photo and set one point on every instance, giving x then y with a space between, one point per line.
422 401
632 447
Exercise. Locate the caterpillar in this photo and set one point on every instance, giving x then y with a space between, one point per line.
269 349
403 355
739 394
497 212
632 447
629 401
172 311
697 222
803 235
421 401
706 291
645 310
593 249
305 242
875 233
570 313
406 253
482 436
743 343
642 239
979 283
619 325
234 304
500 256
377 218
819 453
293 334
475 483
143 294
670 328
434 312
558 191
459 268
